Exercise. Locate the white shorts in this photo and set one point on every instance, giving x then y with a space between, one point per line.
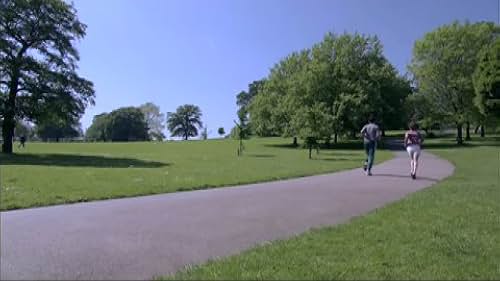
413 149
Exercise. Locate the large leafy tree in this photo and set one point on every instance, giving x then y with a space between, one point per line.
185 121
56 129
98 129
487 80
443 64
347 76
272 110
155 120
38 63
122 124
127 124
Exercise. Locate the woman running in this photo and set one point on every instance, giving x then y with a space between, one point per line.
412 142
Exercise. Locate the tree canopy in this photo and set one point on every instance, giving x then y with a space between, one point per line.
57 129
330 89
443 63
123 124
38 63
487 80
221 131
155 121
185 121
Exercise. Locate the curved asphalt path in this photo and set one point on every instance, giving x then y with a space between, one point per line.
139 238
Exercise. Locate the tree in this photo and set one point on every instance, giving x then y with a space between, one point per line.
443 63
155 120
313 123
244 99
57 129
418 108
38 63
126 124
98 130
122 124
185 121
272 109
346 75
487 80
221 131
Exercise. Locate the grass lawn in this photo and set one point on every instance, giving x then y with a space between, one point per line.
50 173
449 231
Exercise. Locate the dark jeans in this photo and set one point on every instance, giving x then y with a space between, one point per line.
370 153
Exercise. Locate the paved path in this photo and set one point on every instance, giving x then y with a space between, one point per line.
139 238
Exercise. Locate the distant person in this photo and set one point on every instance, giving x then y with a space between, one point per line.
22 141
371 134
413 140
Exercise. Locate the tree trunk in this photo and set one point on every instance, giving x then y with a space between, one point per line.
482 131
8 134
295 143
460 140
310 151
9 123
335 138
467 131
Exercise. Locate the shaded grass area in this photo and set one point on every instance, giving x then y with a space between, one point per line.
449 231
69 160
57 173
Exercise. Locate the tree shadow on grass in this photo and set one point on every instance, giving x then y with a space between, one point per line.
72 160
283 145
261 155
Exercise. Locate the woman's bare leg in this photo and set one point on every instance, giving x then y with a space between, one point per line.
415 162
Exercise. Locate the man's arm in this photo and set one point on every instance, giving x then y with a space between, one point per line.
363 131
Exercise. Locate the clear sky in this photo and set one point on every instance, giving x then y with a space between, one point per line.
173 52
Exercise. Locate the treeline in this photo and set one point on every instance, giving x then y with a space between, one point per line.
326 91
143 123
128 124
146 123
331 88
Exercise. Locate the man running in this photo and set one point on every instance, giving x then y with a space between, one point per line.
371 134
22 141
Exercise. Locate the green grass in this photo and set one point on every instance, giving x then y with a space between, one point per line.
50 173
449 231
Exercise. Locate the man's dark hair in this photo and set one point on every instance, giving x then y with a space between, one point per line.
413 125
371 119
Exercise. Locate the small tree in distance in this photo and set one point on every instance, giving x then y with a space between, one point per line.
221 131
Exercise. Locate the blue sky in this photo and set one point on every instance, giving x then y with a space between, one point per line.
173 52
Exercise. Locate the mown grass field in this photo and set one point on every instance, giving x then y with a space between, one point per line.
56 173
447 232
